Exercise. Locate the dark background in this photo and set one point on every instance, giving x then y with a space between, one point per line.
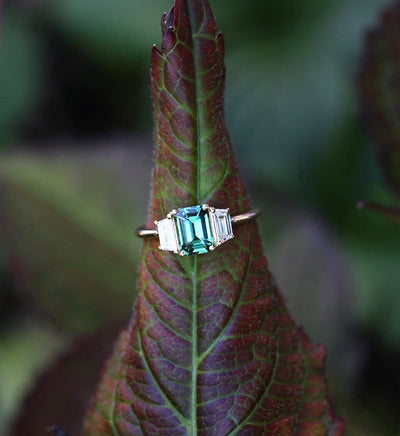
75 162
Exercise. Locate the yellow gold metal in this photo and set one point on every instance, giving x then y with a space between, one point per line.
146 233
245 217
172 214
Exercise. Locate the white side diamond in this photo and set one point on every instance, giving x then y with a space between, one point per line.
167 235
223 225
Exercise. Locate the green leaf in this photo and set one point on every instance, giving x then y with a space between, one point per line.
63 390
66 223
380 91
211 349
20 75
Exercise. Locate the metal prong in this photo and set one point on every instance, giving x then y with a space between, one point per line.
182 254
172 213
212 247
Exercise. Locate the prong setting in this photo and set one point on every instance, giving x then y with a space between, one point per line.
172 213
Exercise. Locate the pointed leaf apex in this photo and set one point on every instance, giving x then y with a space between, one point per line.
212 348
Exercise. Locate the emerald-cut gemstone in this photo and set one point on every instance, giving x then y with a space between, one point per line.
193 230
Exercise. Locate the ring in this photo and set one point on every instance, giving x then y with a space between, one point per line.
195 229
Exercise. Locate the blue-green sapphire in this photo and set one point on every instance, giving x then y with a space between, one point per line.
194 230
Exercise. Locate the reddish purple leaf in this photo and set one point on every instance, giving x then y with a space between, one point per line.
211 349
379 83
62 392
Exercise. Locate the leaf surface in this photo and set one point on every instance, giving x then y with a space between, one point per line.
65 245
379 84
211 349
61 393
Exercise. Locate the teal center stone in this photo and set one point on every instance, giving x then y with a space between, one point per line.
194 230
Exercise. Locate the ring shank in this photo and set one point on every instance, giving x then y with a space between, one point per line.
146 233
238 219
245 217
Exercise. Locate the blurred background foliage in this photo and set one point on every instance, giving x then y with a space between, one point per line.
75 162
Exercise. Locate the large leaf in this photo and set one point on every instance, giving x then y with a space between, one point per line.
380 99
62 392
64 220
211 349
379 82
20 74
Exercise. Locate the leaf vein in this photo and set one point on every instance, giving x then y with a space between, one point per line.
165 397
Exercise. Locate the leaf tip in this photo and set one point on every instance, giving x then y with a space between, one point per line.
156 49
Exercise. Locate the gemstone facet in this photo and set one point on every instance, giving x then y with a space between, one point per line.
222 225
167 235
193 229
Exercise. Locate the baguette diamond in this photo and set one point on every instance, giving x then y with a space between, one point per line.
167 235
222 225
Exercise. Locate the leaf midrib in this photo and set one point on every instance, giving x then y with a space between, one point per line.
195 269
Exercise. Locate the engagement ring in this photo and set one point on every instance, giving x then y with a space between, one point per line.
195 229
